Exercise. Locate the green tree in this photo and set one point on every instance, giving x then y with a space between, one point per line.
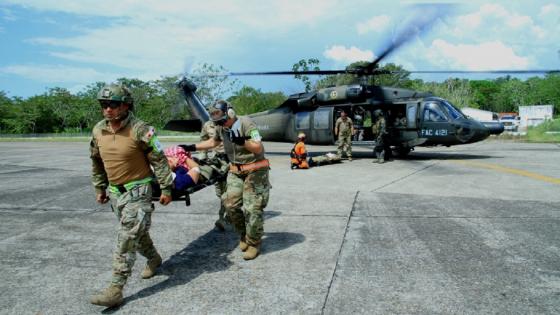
400 77
6 111
457 91
544 91
484 94
212 83
33 115
63 105
511 94
87 111
249 100
311 64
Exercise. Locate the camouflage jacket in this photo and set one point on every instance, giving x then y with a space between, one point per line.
209 132
130 162
378 128
237 154
344 126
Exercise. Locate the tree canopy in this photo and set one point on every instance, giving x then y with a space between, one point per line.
157 101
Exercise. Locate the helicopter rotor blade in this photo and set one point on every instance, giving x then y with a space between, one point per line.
532 71
425 16
360 71
310 72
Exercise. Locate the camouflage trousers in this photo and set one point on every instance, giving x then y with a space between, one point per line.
220 190
134 210
345 145
324 159
381 144
214 167
245 198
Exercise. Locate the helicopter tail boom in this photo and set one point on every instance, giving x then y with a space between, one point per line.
194 103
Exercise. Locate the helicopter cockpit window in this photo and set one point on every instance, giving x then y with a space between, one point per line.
432 112
321 118
452 110
302 120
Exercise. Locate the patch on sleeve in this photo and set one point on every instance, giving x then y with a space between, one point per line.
255 135
155 144
153 140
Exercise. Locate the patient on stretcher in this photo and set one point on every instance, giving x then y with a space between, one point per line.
188 175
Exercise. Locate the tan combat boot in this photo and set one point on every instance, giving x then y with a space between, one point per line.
110 297
253 250
242 244
151 266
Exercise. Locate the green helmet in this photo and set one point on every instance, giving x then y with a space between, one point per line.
115 92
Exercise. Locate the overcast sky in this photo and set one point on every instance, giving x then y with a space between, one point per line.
71 43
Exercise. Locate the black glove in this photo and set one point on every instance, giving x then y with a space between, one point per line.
237 138
188 147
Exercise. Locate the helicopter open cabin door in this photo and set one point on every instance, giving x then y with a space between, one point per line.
434 124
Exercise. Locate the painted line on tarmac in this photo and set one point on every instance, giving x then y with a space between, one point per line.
337 263
509 170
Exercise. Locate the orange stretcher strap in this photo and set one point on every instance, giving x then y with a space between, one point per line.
242 168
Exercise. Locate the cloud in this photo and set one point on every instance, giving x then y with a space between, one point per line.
147 39
550 9
7 15
346 56
375 24
266 15
157 48
494 20
485 56
58 73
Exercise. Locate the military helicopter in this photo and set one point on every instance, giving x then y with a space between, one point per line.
414 118
428 120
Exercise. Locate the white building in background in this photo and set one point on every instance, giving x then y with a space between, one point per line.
534 115
479 114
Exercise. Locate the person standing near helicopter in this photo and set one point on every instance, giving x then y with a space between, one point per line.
344 129
382 150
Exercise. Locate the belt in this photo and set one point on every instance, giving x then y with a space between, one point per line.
243 168
128 186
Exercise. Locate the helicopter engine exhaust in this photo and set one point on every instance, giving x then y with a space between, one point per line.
494 128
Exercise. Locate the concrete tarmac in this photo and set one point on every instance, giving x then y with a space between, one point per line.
469 229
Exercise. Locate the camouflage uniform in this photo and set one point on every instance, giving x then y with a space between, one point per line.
209 131
121 163
380 134
344 127
328 158
246 192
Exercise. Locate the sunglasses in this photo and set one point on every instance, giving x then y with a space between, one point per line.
112 104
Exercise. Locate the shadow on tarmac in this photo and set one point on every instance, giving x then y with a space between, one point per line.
418 156
208 254
421 156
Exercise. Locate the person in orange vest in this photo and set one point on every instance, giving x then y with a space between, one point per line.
299 153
